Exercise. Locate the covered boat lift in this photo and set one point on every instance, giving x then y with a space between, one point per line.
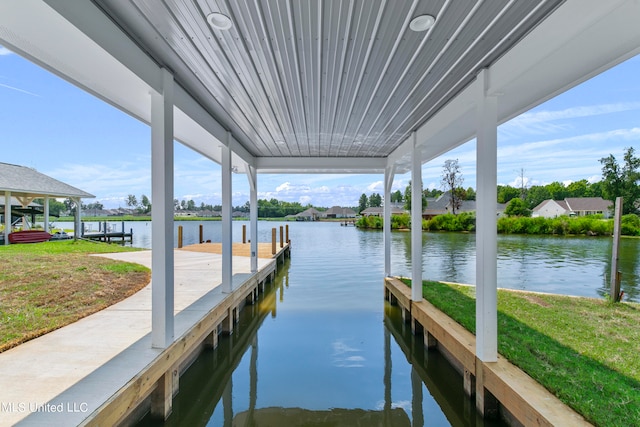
324 87
24 185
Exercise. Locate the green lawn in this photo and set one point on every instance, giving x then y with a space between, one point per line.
44 286
585 351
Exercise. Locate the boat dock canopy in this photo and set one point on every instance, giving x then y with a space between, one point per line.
26 183
319 86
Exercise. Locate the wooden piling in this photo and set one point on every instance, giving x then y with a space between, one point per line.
615 277
273 241
179 236
201 239
287 233
281 236
244 233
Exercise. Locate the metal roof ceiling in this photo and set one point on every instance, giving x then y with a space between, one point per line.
325 78
324 86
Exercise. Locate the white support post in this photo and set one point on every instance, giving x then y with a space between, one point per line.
486 222
77 231
7 216
389 173
253 215
162 262
227 211
416 222
46 213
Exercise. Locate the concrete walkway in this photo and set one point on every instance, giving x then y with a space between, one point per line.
60 378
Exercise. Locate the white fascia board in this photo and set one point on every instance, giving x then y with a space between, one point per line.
578 41
320 164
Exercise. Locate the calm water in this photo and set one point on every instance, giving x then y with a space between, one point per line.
321 348
566 265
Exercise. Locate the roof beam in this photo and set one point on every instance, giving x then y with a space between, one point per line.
320 164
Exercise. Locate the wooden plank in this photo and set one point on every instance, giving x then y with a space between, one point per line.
400 291
450 334
139 387
528 401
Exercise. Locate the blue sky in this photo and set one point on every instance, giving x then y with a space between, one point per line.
56 128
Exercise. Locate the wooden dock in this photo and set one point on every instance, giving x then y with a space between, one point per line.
518 395
108 234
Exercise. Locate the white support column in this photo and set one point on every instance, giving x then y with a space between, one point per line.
486 222
162 271
77 230
227 211
46 213
253 215
416 223
389 173
7 216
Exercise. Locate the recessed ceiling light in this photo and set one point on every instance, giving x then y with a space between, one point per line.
422 23
219 21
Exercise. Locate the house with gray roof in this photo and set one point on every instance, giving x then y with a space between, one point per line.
339 212
573 206
26 184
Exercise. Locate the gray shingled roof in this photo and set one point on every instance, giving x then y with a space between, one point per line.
24 181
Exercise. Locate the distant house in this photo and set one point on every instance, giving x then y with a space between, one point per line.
379 211
573 206
339 212
442 205
311 214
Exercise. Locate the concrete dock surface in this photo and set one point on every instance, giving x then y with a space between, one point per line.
60 378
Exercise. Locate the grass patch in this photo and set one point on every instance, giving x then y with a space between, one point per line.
45 286
583 350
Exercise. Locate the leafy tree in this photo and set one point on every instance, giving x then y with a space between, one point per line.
95 206
70 205
145 204
557 190
407 198
452 181
536 195
470 194
363 202
396 196
506 193
176 204
191 205
517 207
622 181
375 200
55 207
131 201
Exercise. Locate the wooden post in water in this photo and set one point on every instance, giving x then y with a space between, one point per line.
179 236
281 236
287 233
244 233
273 241
615 276
201 240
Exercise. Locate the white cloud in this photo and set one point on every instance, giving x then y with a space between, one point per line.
544 122
376 187
4 51
17 89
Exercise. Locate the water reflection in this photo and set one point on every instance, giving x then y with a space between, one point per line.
230 386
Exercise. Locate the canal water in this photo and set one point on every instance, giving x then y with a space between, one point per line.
322 348
577 266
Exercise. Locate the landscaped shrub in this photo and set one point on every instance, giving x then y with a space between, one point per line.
630 225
